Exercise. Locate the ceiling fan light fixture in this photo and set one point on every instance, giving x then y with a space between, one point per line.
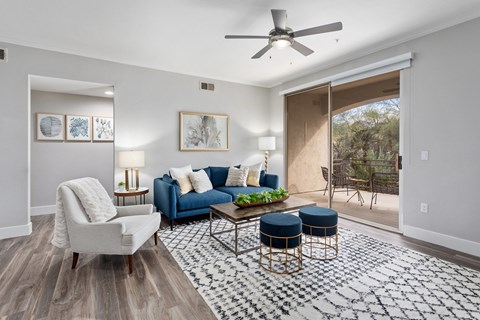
281 42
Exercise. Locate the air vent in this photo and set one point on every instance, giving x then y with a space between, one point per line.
3 54
207 86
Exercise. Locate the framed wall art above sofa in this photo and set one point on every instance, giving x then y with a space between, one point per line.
204 132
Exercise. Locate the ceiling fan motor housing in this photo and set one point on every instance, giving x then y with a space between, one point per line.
280 38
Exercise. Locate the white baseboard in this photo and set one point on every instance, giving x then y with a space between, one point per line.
38 211
16 231
454 243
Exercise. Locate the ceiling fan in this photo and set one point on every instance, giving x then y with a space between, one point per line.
283 36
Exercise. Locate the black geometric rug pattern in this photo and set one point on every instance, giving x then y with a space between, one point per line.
370 279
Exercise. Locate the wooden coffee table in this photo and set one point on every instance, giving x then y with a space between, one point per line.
239 217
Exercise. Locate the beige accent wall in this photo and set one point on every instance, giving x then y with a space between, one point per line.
307 128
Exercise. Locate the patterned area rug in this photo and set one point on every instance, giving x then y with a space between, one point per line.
370 279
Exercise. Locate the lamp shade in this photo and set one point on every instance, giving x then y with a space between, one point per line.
131 159
266 143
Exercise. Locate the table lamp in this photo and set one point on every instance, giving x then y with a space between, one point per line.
131 160
266 144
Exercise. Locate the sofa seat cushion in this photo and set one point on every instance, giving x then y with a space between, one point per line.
195 200
234 191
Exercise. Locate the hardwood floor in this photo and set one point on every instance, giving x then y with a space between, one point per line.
36 280
385 212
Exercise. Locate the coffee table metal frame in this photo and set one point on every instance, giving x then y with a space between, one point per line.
243 218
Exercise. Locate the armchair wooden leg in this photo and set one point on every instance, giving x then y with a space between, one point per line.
130 263
155 237
171 224
75 260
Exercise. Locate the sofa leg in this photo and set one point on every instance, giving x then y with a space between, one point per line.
171 224
75 260
155 237
130 263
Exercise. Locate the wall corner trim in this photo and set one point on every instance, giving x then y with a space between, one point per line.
16 231
41 210
451 242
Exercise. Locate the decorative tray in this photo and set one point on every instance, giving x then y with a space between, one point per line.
256 204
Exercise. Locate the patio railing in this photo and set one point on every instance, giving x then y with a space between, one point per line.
363 168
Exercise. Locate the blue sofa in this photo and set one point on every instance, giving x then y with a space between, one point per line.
167 198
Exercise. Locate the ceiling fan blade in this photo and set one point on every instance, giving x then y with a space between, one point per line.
262 52
279 19
316 30
301 48
245 37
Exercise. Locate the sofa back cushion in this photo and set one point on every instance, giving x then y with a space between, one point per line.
262 178
207 171
218 176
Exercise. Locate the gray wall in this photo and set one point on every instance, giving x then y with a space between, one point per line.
440 113
147 105
53 162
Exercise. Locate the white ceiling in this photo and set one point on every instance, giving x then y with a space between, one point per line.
70 86
188 36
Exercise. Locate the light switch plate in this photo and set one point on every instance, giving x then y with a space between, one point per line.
424 155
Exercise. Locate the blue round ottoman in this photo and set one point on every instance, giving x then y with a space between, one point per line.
319 225
281 235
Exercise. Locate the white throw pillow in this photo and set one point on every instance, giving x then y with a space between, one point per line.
181 175
254 170
237 177
200 181
180 172
185 184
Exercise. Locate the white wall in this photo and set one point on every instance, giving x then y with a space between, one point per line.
147 103
440 105
53 162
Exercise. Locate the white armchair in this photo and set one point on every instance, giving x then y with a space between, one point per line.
122 235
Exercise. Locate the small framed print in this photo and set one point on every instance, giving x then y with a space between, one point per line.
102 129
78 128
50 127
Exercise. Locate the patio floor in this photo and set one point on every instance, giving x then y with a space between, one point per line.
384 214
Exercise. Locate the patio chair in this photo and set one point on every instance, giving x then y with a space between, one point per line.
386 183
337 180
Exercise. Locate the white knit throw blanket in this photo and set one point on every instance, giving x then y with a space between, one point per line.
95 200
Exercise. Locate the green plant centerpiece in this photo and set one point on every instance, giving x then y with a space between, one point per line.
261 198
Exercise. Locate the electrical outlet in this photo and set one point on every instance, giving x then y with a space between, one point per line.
424 207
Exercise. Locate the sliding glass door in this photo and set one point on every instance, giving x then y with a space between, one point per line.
343 147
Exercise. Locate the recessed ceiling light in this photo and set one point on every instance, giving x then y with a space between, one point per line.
109 93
